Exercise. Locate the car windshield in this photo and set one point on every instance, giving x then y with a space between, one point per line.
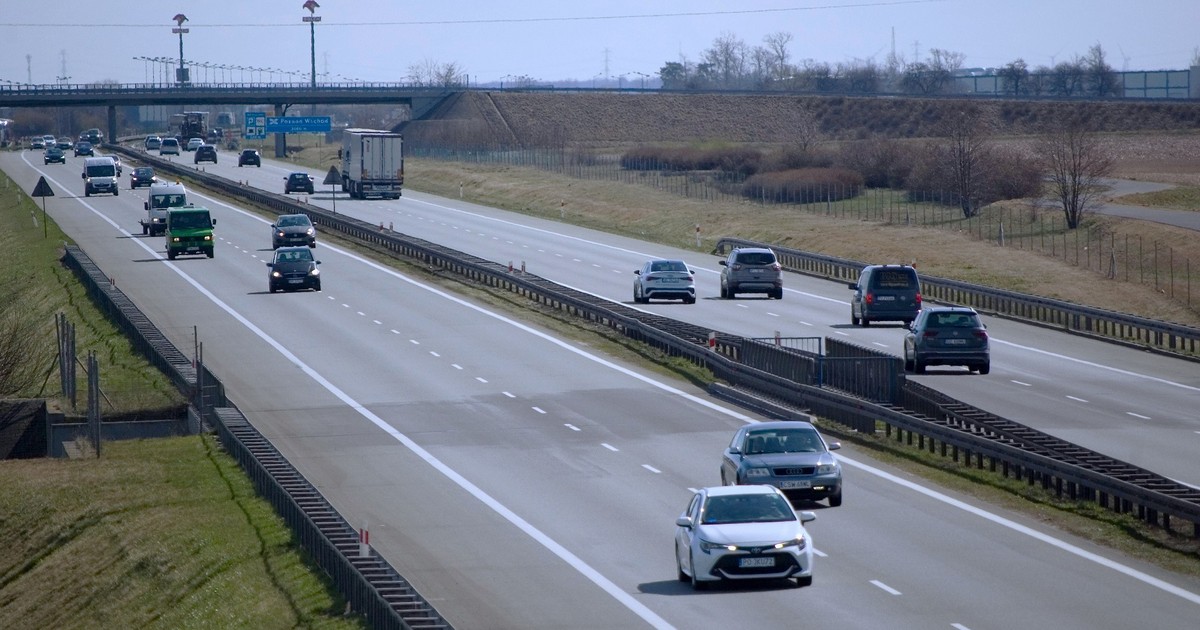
293 219
746 508
103 170
756 258
299 177
952 320
168 201
783 441
299 255
190 220
143 172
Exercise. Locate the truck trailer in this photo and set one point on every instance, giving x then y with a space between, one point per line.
372 163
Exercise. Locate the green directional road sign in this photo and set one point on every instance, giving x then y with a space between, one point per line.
43 190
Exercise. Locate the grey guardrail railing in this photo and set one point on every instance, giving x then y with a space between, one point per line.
720 354
367 581
1159 335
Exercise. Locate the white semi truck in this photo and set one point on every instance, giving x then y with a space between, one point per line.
372 163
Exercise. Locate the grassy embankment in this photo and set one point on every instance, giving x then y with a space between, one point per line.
156 534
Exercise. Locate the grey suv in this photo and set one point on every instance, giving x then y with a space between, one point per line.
947 335
885 292
751 270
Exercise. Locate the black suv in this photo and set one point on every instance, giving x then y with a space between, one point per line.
249 157
885 292
298 182
205 153
751 270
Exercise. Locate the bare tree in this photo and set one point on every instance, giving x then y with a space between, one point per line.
430 73
1014 78
777 46
727 60
968 149
1101 78
1076 163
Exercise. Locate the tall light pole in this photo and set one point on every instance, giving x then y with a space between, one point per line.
182 75
312 20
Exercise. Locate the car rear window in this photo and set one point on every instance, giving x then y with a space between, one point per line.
756 258
953 320
895 279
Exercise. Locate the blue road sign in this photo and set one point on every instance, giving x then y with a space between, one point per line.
256 126
298 124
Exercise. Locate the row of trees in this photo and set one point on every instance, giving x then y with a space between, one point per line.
730 63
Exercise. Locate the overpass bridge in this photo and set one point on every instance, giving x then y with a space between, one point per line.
280 96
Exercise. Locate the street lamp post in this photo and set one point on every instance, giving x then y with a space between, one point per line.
312 20
181 76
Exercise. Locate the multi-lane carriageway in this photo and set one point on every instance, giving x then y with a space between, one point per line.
522 478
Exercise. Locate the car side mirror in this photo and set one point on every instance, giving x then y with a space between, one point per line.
733 450
318 262
833 446
853 286
272 225
83 175
145 205
686 521
270 264
807 517
637 272
214 222
723 263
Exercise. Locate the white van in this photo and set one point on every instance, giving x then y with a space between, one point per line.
163 197
100 176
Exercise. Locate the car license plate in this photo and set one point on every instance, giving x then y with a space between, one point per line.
295 280
753 563
886 298
670 280
956 342
756 271
193 249
793 485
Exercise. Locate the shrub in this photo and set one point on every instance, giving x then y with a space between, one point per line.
733 160
883 162
803 185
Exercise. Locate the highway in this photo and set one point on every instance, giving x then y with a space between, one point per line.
520 479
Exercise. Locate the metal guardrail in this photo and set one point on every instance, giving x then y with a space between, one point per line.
1155 499
368 582
1159 335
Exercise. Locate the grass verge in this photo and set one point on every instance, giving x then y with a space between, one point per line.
155 534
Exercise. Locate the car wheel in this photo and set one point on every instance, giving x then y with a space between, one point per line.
697 585
170 255
87 193
853 319
272 288
317 287
908 365
835 500
865 322
918 367
209 253
778 294
985 368
116 192
804 581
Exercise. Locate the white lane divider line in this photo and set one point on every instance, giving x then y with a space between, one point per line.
885 587
511 395
434 353
1077 399
539 410
881 345
456 366
1137 415
609 447
1023 384
481 379
572 427
652 469
414 342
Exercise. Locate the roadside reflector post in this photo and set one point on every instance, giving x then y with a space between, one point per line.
712 341
778 338
364 541
697 235
510 267
522 266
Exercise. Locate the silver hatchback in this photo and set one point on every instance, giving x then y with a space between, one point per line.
751 270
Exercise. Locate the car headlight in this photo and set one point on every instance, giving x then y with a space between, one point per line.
208 237
758 472
276 274
314 272
279 234
708 547
310 231
827 469
174 239
798 542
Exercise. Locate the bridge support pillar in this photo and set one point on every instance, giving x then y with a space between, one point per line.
280 138
112 124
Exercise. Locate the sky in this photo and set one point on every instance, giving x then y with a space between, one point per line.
554 41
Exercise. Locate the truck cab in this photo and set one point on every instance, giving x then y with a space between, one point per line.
163 197
189 232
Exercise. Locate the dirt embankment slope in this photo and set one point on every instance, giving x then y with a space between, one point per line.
529 119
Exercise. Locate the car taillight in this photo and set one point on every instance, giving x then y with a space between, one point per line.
737 266
776 266
918 300
869 298
930 333
982 334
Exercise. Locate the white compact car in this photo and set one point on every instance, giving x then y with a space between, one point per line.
742 533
